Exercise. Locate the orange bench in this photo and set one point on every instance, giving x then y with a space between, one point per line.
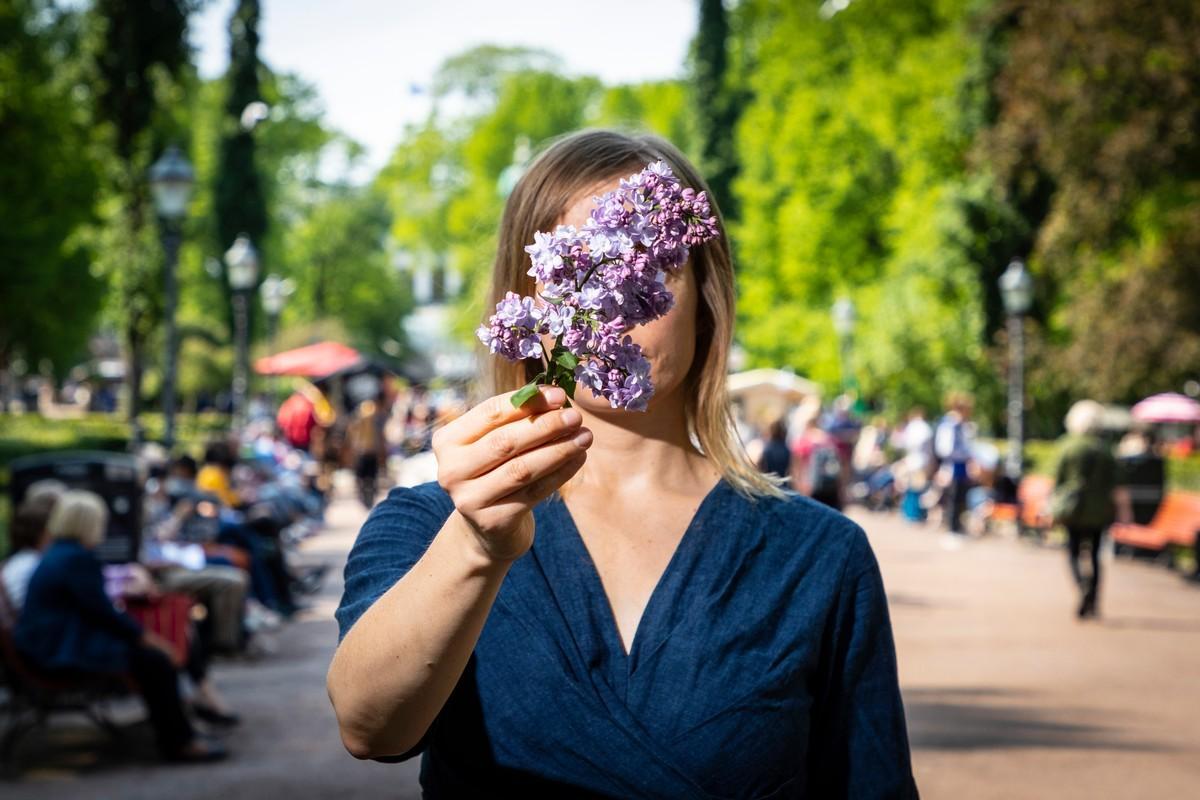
1030 512
1176 522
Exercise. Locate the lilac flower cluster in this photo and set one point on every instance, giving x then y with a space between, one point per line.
597 282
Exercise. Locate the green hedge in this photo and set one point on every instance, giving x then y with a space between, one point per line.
31 434
27 434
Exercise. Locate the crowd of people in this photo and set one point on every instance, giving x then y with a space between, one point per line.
942 472
215 573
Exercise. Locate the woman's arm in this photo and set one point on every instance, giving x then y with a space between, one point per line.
400 660
859 735
397 665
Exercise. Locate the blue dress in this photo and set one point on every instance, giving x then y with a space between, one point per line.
763 665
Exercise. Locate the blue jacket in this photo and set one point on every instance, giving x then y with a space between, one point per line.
68 622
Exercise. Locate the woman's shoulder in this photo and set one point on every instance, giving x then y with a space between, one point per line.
798 524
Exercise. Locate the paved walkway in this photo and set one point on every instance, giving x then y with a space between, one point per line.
1008 696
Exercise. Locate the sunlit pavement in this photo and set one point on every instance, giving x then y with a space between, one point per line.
1008 696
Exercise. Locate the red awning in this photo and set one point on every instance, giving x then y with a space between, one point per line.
313 361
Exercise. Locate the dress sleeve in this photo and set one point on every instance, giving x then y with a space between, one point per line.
859 740
393 538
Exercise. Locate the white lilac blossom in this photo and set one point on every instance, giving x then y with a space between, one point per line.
598 282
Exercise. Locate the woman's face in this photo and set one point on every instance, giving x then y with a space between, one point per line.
669 342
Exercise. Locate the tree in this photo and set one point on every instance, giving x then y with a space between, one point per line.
139 54
853 182
48 182
337 256
1097 103
718 104
240 203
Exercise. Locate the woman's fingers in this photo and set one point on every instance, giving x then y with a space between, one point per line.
525 470
509 441
542 488
497 411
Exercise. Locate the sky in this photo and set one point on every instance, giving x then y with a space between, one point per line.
365 56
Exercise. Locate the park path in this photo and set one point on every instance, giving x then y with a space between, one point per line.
1008 696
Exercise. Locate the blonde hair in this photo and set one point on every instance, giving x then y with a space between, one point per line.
80 516
576 163
1084 418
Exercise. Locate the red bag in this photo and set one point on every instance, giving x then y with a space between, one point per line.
169 615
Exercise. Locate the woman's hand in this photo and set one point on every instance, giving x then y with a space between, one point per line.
497 462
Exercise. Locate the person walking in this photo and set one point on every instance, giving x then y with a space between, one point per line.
364 437
953 443
601 603
1084 496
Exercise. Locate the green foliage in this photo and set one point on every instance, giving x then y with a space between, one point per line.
240 205
48 178
337 257
852 175
718 103
1098 102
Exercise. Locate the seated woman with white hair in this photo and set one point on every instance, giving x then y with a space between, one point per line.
69 627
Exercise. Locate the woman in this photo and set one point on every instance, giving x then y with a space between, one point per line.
677 627
28 538
69 627
1084 499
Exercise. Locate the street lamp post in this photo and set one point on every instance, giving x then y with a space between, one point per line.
844 317
171 180
1016 290
242 262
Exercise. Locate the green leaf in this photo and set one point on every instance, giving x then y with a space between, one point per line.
567 360
524 394
568 384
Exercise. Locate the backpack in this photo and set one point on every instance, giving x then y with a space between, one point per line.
824 470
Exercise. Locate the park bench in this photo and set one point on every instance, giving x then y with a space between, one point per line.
1176 522
1031 511
33 696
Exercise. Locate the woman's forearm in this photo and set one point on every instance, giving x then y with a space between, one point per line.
397 665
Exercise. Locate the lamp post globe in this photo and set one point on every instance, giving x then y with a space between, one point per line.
171 182
241 260
1016 288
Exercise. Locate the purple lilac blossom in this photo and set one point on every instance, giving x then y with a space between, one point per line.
600 280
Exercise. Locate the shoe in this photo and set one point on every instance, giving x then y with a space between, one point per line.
209 714
200 750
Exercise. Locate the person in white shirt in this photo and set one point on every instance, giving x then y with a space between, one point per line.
28 538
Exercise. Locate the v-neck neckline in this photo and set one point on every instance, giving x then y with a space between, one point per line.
611 635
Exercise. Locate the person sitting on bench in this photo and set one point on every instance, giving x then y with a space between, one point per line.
71 629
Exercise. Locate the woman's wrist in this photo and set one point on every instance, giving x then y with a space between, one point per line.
479 558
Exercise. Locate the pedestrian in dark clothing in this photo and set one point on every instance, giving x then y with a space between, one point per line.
776 458
1083 499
